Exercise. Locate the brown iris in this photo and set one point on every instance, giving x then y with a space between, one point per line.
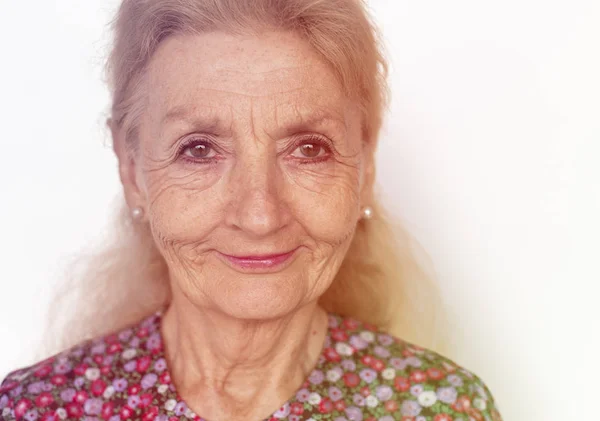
199 150
310 150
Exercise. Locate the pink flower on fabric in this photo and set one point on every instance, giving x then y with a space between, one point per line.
92 406
368 375
335 393
316 377
358 343
302 395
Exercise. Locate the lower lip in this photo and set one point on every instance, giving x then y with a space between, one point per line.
264 265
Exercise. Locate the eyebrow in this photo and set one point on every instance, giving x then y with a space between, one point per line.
318 119
182 113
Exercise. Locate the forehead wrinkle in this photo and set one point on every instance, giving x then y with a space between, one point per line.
217 82
260 92
252 129
180 111
248 70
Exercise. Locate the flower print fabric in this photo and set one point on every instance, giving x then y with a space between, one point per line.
363 374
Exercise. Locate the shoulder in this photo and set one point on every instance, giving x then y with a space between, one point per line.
409 380
79 380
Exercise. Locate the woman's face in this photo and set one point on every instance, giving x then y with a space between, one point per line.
248 147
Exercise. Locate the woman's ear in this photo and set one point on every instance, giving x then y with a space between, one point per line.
127 167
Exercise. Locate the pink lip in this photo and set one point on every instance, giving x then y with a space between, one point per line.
264 263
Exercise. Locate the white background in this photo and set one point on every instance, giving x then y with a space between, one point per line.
490 155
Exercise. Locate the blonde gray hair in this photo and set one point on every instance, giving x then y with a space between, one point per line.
381 280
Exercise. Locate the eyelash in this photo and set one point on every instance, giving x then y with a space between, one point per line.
312 139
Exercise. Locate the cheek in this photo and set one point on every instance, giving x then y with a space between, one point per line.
326 201
184 205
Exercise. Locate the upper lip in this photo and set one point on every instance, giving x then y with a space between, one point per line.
259 256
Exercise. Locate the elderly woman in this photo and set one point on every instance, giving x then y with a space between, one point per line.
254 282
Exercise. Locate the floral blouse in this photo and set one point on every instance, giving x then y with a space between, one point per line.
363 374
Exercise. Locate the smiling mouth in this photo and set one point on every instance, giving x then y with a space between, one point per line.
259 263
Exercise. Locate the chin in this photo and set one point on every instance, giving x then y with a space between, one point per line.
262 300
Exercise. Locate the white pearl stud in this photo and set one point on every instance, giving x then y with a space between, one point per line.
367 213
137 212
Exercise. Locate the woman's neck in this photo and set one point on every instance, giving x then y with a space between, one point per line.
227 368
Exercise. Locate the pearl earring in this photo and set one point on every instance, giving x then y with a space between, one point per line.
136 213
367 213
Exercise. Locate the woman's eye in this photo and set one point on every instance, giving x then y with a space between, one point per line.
197 150
310 149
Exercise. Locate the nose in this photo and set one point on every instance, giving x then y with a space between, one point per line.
256 205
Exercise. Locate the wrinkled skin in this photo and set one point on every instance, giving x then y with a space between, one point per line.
261 193
278 163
